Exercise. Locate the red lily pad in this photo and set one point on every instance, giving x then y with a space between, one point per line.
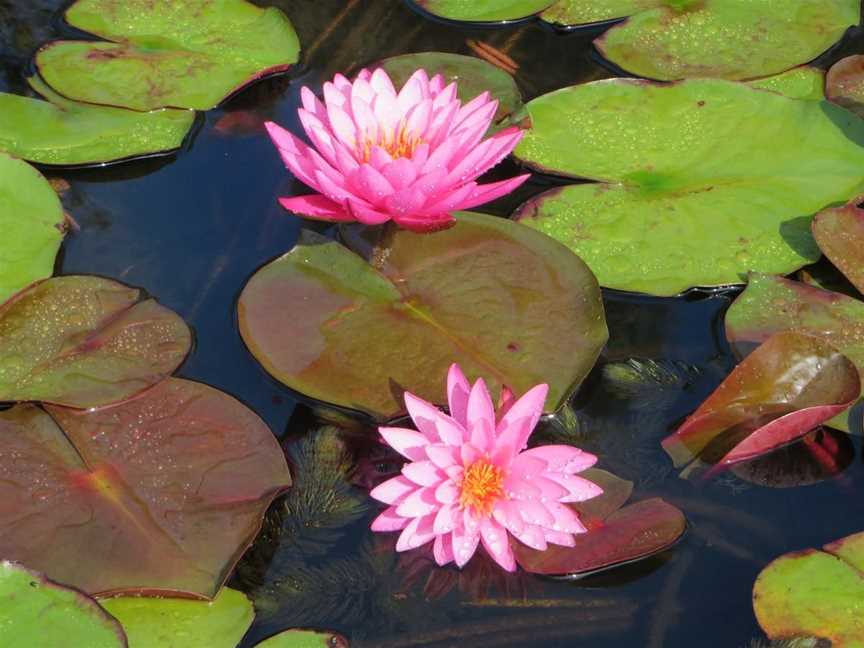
615 535
505 302
85 341
789 385
160 494
839 232
815 593
170 53
844 83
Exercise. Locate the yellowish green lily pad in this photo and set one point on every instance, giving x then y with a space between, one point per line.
171 53
31 226
64 132
695 184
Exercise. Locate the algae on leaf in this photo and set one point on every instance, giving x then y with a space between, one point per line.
697 183
63 132
171 53
31 226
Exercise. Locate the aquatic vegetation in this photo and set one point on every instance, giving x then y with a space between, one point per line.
171 53
32 222
410 157
845 83
86 342
161 493
722 182
814 593
367 333
304 639
789 385
470 481
63 132
678 39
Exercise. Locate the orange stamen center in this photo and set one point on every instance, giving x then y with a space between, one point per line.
482 486
400 143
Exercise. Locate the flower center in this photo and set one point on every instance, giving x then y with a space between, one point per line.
400 143
482 486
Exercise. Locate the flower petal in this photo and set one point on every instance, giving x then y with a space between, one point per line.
566 519
497 545
458 390
317 207
432 422
408 443
390 521
516 426
532 512
445 519
579 489
447 493
559 538
562 458
416 534
443 455
481 417
393 491
443 549
423 473
507 513
533 536
464 545
419 503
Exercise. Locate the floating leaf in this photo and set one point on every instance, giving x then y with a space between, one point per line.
473 76
171 53
162 493
729 39
38 613
484 10
487 293
844 84
183 623
568 13
85 341
32 225
815 593
615 535
789 385
722 181
839 233
59 131
804 82
304 639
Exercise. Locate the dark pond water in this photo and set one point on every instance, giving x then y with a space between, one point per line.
192 228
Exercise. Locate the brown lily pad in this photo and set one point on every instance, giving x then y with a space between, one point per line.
159 494
85 341
839 232
844 84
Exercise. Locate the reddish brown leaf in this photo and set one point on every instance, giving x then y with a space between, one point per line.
162 493
788 386
840 235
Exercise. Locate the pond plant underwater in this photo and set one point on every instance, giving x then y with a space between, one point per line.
551 335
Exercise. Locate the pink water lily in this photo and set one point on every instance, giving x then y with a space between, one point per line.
410 156
469 480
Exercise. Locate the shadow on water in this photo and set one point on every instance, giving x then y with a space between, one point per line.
192 228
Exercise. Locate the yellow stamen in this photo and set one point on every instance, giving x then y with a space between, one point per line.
399 144
482 486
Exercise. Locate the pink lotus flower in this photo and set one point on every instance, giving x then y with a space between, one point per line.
469 481
379 155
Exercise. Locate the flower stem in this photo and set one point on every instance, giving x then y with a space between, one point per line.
383 246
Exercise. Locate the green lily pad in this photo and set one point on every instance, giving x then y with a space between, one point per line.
484 10
804 82
32 223
815 593
85 341
171 53
582 12
486 293
845 83
160 494
304 639
729 39
38 613
60 131
473 76
699 182
183 623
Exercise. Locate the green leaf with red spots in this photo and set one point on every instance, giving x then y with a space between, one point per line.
85 341
815 593
503 301
160 494
171 53
695 183
36 612
32 226
63 132
615 536
789 385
